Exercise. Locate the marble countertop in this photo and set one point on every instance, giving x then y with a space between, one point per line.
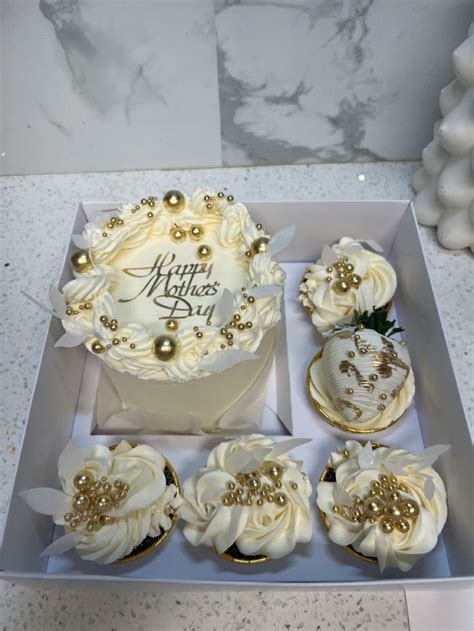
36 219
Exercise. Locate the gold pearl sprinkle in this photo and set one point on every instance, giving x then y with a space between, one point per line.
351 354
349 390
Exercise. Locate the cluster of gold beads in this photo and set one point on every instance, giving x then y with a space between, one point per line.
112 223
94 498
345 276
384 504
148 202
70 311
210 199
259 486
179 234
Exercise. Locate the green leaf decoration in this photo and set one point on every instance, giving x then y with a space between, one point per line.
378 321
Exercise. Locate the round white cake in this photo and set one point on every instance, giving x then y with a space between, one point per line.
174 290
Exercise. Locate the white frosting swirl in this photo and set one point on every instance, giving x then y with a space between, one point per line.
327 307
232 228
394 549
146 511
262 528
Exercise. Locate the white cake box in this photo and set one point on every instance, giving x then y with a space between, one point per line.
63 407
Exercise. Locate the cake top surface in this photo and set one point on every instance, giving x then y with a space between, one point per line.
165 288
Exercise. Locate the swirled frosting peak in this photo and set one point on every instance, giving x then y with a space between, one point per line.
110 502
166 286
347 278
385 502
250 494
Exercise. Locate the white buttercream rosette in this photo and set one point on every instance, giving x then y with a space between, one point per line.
88 298
269 517
318 290
146 508
405 489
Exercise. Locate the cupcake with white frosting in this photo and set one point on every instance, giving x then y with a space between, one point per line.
384 504
362 381
347 278
116 505
250 502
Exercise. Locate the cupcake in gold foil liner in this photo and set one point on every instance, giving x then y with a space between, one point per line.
117 504
379 516
250 503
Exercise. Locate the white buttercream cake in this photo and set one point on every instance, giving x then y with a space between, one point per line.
250 502
386 504
348 278
173 290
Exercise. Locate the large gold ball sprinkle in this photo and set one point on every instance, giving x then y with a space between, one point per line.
178 235
274 472
349 268
341 286
196 232
387 526
355 280
373 506
402 525
81 261
394 510
171 324
204 252
96 347
410 509
102 503
280 499
254 482
165 347
173 201
81 502
259 246
83 480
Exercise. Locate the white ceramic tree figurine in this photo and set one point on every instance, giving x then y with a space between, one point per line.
444 185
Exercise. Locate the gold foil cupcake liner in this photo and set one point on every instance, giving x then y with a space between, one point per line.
233 555
171 478
325 414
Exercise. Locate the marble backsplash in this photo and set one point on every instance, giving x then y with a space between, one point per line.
99 85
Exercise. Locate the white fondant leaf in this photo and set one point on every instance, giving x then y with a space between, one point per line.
381 548
242 461
60 545
46 501
429 455
71 461
264 291
328 256
281 240
261 453
365 456
69 340
429 488
341 496
395 467
372 244
287 445
222 360
57 300
39 304
80 241
226 306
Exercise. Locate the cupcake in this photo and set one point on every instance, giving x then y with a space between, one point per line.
362 381
116 505
178 297
250 503
347 278
384 504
